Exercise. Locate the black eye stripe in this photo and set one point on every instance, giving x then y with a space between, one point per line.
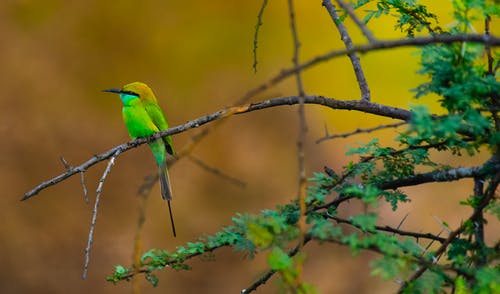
130 93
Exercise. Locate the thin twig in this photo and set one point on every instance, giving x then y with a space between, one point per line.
361 25
136 257
491 72
356 63
487 32
432 242
256 35
67 166
111 162
261 281
302 123
443 224
300 142
217 172
389 229
478 222
85 193
265 277
402 221
359 131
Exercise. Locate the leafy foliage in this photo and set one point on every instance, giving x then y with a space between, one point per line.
410 15
467 90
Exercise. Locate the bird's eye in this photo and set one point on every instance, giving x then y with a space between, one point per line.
130 93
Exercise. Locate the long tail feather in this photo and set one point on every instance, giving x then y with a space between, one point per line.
171 218
166 193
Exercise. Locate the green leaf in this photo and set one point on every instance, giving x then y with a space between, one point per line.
461 286
430 282
152 279
367 193
120 270
458 251
365 222
488 280
324 230
387 267
494 208
259 235
411 247
279 260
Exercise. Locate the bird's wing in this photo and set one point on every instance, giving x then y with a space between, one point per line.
154 111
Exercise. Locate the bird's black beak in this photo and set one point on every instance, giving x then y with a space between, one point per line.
113 90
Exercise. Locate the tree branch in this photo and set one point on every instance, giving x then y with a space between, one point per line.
490 194
478 221
217 172
439 176
301 138
256 34
392 230
379 45
362 26
111 162
356 63
430 177
146 270
373 108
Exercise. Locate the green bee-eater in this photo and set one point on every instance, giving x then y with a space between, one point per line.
143 117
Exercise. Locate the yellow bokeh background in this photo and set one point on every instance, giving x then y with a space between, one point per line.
56 56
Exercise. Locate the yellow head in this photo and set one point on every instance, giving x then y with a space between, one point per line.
144 91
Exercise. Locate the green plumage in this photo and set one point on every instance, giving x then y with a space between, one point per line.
143 117
154 111
140 124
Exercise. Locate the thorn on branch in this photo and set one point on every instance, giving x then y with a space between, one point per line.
443 224
67 166
426 249
402 221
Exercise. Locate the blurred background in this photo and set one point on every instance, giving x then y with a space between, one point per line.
57 56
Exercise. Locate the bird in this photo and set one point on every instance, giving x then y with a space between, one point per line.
143 117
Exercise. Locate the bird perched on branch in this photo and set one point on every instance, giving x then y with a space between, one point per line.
143 117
